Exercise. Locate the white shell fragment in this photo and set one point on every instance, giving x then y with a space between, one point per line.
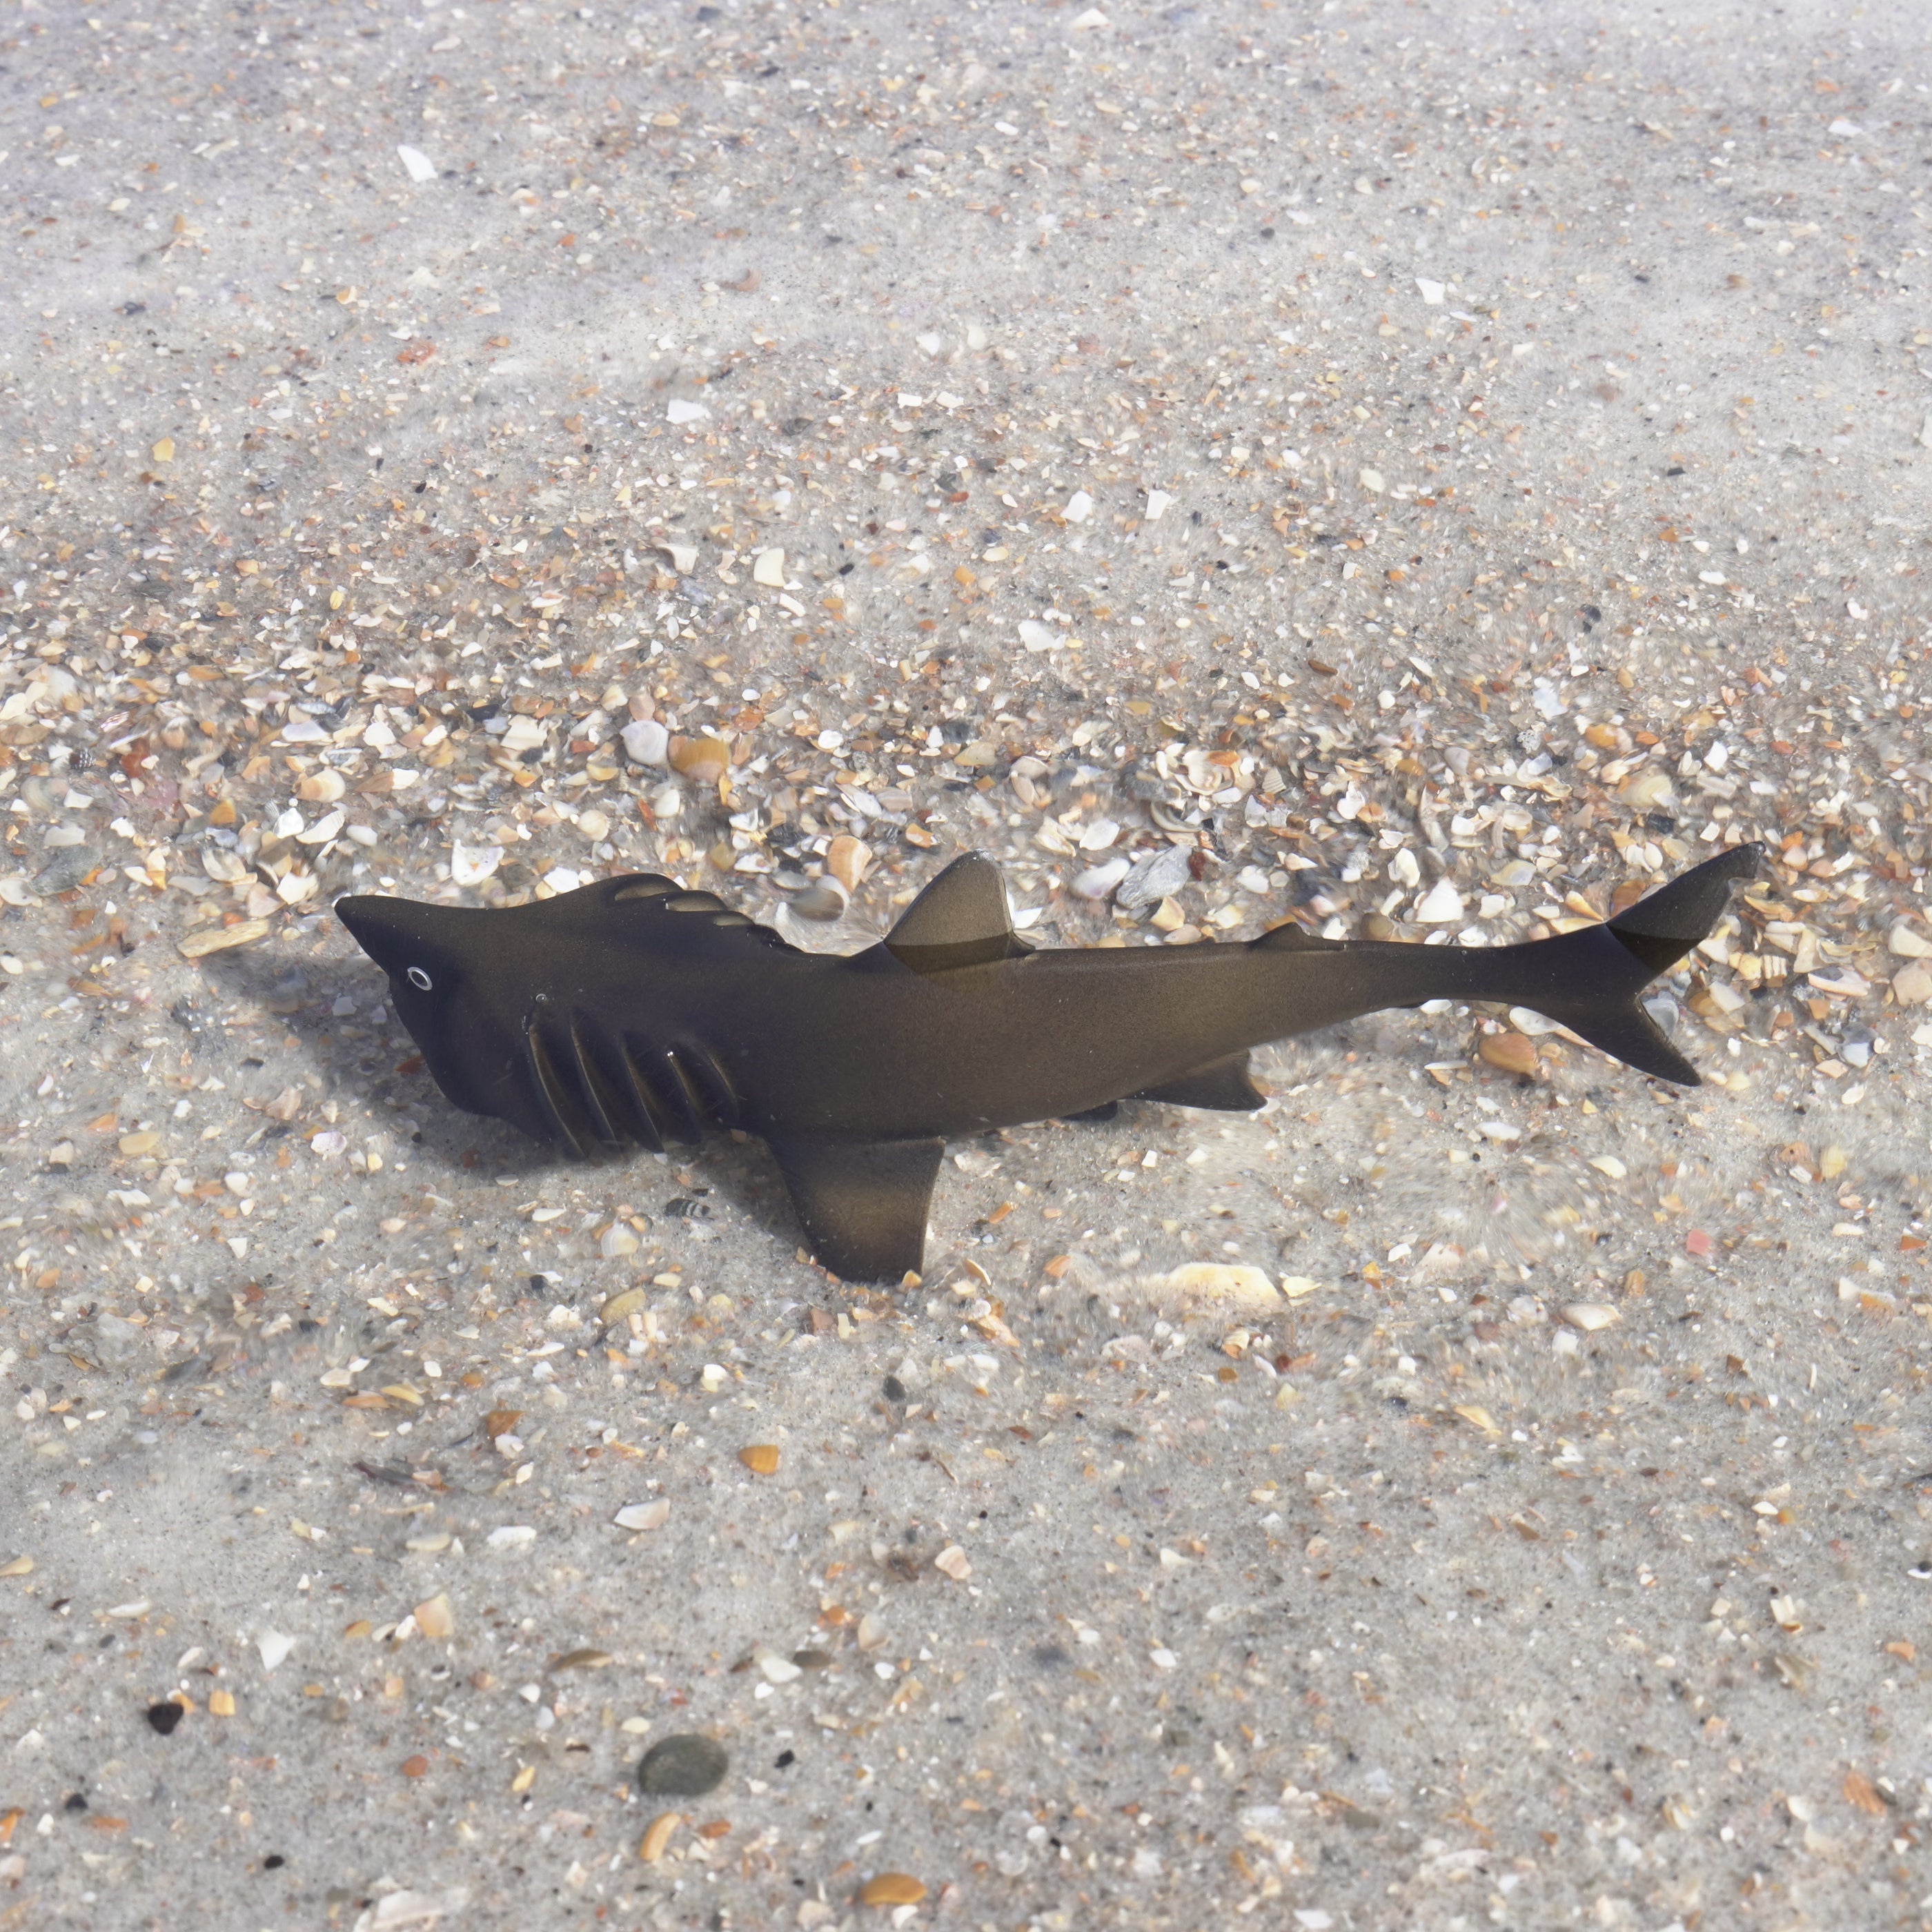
1223 1281
1441 905
645 741
1153 877
1097 881
396 1909
1590 1316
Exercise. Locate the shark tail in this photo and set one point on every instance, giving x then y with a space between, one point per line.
1592 980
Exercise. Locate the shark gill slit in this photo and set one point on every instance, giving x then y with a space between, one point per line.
657 1128
663 1091
713 1098
683 1094
611 1107
567 1109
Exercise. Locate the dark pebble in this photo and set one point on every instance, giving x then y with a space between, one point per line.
895 1389
64 872
684 1766
164 1716
812 1659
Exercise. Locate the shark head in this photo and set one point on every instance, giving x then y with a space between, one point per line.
461 989
540 1014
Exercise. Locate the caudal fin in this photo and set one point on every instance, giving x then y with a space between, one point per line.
1661 927
1628 1034
1592 980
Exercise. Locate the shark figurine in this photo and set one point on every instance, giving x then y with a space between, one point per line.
634 1012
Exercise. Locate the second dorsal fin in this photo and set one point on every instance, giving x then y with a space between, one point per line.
960 920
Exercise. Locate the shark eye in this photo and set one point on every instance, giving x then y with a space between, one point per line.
419 979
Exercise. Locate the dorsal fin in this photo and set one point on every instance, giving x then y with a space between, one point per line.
1289 937
960 920
642 885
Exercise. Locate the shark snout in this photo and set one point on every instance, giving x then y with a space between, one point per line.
427 945
364 919
392 931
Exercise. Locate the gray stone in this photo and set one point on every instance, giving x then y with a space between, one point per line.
684 1765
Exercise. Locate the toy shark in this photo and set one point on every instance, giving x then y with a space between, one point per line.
635 1012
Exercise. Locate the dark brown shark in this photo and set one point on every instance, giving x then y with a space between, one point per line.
635 1012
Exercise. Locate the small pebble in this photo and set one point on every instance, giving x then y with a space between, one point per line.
686 1765
824 900
1510 1051
436 1618
848 860
703 760
891 1888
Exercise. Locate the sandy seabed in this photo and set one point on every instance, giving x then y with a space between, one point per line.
1420 471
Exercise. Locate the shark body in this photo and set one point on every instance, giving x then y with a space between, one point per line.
633 1012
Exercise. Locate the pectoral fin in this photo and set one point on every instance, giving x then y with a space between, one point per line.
862 1204
1108 1110
1222 1085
